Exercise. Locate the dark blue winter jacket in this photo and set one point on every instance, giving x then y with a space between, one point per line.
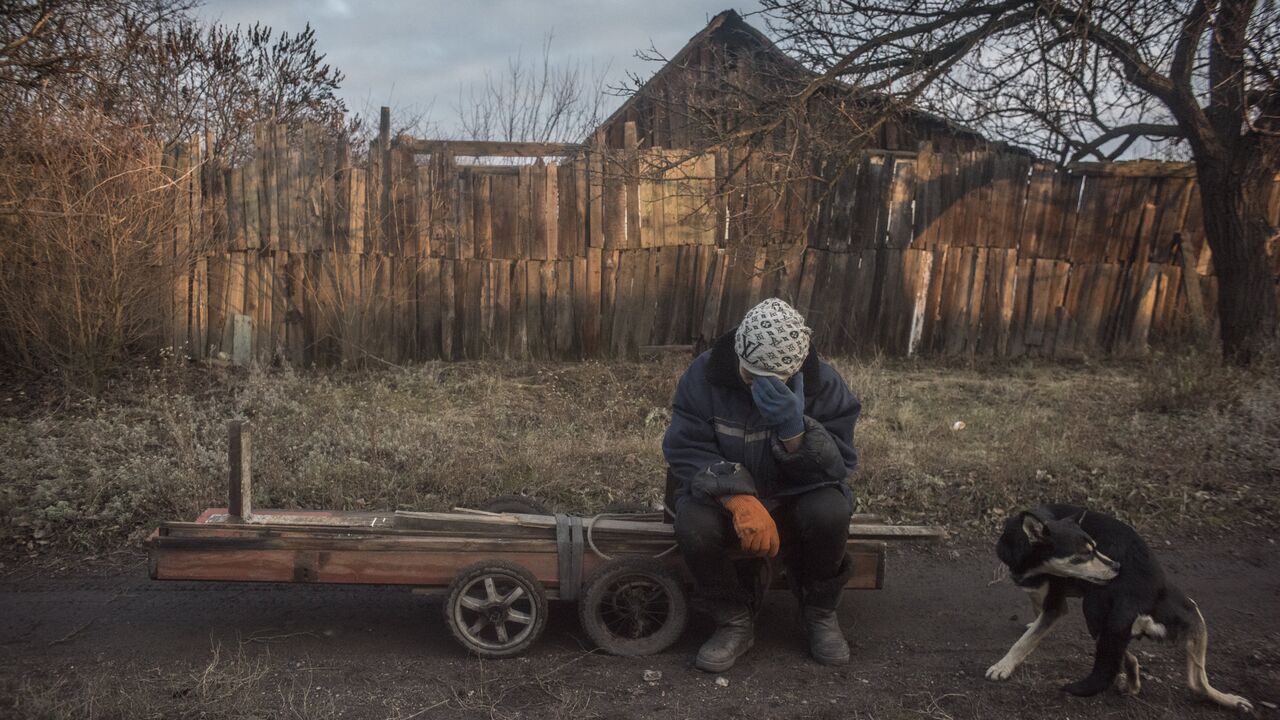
718 444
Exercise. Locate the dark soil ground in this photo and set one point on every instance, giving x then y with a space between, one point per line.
107 642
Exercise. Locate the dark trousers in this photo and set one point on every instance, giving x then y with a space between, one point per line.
813 527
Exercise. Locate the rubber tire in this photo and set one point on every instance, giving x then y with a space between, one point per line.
521 504
512 571
594 592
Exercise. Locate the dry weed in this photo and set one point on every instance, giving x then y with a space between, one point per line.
1172 443
227 686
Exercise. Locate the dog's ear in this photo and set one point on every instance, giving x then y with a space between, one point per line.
1035 529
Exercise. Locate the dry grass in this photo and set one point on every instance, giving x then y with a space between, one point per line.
1176 442
226 685
1173 443
247 683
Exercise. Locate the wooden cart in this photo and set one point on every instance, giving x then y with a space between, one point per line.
497 570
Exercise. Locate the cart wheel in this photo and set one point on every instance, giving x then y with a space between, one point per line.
633 606
495 609
514 504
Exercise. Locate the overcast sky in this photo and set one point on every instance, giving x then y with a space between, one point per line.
411 54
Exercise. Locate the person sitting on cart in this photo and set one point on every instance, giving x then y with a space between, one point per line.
759 449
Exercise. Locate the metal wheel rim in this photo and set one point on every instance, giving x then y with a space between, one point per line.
634 607
495 611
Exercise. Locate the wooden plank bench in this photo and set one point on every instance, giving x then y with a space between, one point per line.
425 550
498 569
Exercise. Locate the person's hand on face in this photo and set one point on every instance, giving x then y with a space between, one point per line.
781 407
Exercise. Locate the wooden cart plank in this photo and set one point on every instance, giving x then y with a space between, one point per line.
406 519
396 567
384 520
356 566
428 549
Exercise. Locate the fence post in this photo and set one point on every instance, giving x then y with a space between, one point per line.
385 213
239 499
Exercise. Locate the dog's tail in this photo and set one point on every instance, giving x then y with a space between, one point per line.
1197 640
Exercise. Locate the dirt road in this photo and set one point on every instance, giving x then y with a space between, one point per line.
116 644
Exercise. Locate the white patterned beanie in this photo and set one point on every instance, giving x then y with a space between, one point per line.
772 340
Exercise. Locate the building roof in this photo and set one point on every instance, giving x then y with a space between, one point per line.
729 28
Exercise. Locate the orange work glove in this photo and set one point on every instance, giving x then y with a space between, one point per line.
755 527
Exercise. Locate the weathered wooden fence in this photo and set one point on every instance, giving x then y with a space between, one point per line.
313 258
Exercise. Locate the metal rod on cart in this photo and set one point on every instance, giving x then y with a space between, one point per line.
239 500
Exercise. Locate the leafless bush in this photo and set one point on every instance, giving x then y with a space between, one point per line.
87 243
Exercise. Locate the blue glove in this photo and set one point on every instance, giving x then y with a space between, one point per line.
781 407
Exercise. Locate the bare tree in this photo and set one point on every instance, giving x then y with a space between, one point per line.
61 40
225 80
1076 79
535 100
150 64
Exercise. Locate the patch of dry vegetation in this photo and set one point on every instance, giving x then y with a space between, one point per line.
245 683
1176 442
227 685
86 209
1172 443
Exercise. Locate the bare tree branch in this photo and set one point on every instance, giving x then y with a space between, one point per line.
1130 132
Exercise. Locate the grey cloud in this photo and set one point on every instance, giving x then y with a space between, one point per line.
417 54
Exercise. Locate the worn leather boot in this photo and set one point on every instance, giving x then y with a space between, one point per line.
734 635
826 642
819 601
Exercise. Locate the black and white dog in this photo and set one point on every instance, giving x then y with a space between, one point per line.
1058 551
